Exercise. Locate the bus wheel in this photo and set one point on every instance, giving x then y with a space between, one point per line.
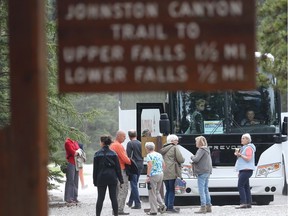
263 199
285 187
144 198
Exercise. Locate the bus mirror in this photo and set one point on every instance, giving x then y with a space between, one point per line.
164 124
284 125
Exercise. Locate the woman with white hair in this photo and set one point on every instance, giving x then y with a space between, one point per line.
245 165
173 160
202 166
155 166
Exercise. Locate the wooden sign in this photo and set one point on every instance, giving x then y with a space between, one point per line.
156 45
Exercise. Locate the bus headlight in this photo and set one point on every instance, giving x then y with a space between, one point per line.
265 170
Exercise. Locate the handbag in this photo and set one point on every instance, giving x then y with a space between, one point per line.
131 169
180 186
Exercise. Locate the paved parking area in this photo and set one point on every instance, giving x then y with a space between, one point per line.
88 199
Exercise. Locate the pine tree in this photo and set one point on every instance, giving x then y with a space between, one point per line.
272 38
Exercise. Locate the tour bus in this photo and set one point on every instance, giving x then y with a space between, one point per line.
223 130
223 127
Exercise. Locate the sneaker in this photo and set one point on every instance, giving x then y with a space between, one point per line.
162 209
129 205
70 203
123 213
136 207
242 206
172 211
151 213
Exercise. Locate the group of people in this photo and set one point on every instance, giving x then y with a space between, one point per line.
163 166
108 171
115 176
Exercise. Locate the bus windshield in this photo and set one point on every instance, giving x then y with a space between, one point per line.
225 112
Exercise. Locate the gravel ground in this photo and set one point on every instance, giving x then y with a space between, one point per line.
88 199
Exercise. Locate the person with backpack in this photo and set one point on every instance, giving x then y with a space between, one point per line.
134 151
106 173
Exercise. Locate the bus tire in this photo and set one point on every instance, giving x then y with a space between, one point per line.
285 187
263 199
285 190
144 198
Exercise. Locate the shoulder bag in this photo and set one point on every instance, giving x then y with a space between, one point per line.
131 169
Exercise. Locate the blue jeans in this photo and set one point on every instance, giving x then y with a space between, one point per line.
134 195
244 186
203 180
170 193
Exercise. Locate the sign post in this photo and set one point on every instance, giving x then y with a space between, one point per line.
156 45
24 148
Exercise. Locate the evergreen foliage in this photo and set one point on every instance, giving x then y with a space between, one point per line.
4 70
272 38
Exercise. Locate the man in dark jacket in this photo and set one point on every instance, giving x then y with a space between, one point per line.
134 151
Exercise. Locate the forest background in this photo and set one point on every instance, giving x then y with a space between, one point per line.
96 114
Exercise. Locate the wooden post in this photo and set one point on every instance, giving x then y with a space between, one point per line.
23 152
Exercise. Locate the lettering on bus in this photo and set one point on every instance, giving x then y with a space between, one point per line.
161 45
224 147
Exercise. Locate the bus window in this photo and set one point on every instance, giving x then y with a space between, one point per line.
254 111
198 113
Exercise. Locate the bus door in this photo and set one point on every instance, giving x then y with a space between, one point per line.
148 116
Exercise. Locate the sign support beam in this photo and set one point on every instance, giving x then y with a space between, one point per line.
23 145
